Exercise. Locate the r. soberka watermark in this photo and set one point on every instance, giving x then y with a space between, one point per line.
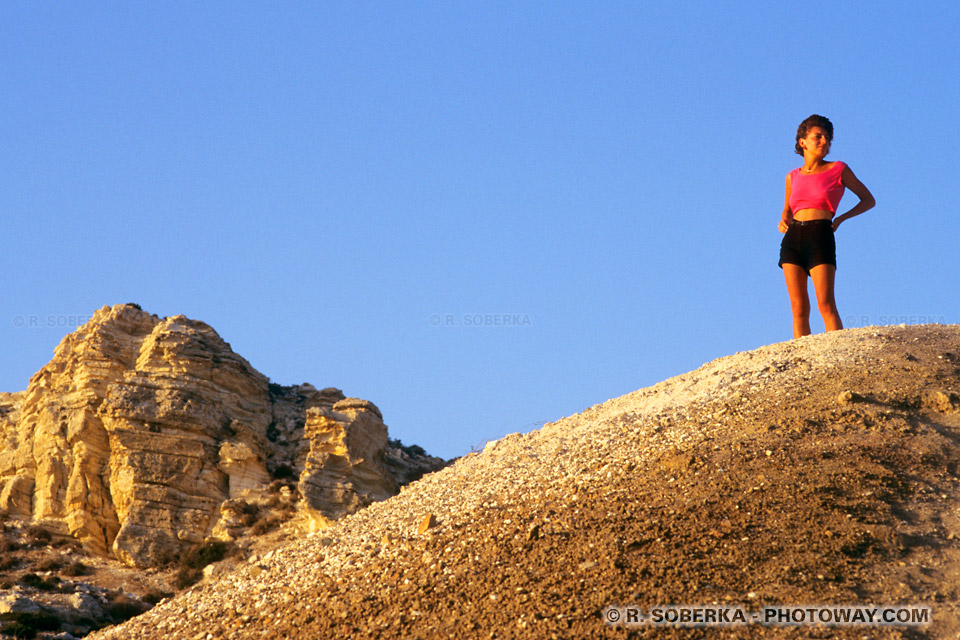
851 321
480 320
779 615
50 321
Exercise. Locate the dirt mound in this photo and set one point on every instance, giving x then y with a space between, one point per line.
818 472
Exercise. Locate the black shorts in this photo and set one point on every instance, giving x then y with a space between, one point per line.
808 244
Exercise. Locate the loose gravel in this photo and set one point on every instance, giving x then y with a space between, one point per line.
819 470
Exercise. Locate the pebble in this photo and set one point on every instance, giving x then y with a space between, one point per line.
427 522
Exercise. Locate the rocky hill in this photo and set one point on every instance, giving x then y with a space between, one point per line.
144 437
817 472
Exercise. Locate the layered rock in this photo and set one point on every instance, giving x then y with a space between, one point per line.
140 428
343 471
10 492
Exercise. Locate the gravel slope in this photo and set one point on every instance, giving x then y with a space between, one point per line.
819 471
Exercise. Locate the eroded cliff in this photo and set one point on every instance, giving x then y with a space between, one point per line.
140 429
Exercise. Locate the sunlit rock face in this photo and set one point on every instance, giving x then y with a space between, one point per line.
139 429
343 471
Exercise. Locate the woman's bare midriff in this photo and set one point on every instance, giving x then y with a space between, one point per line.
805 215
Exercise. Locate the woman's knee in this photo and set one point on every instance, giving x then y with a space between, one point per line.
826 301
801 307
827 305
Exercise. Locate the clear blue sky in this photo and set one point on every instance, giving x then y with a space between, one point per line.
325 182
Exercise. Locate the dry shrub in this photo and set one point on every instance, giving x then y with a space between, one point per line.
249 513
121 607
50 565
273 501
267 525
8 546
199 556
282 471
154 597
43 584
28 624
187 577
38 536
75 568
8 562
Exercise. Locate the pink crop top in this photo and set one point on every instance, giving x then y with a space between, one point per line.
818 190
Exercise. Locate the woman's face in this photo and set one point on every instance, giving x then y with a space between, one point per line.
816 142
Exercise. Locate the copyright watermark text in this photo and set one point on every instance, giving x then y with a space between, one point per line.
851 321
50 321
723 615
480 320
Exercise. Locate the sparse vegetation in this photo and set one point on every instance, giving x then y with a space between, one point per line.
27 624
277 486
267 525
187 577
274 501
8 546
50 565
154 597
121 607
76 568
37 536
199 556
61 542
411 450
249 513
8 562
44 584
282 472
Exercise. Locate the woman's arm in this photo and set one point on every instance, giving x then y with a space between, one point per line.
787 216
867 201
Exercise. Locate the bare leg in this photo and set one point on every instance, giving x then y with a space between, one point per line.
796 279
823 279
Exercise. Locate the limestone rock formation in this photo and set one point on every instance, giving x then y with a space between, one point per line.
343 471
140 428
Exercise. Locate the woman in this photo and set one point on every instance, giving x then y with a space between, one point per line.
808 248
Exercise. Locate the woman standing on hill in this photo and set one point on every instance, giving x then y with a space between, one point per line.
808 248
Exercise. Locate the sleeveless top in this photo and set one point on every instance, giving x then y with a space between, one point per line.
818 190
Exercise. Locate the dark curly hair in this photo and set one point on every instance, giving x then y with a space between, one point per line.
810 123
